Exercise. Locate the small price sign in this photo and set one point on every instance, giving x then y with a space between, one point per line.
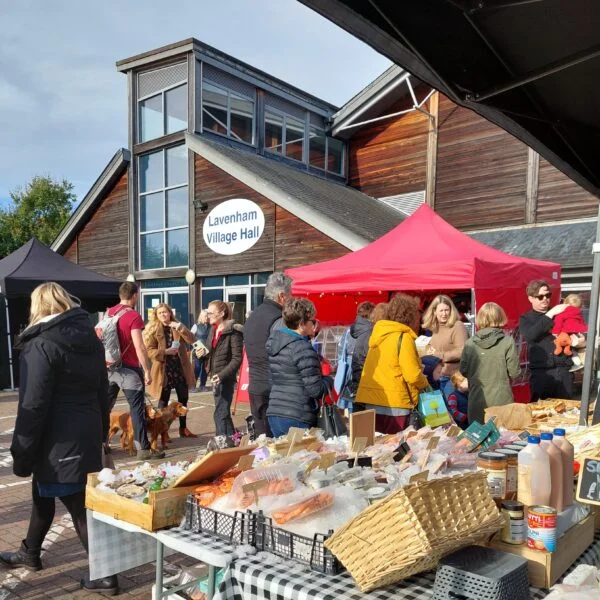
244 441
327 460
453 431
422 476
245 462
295 434
252 488
433 442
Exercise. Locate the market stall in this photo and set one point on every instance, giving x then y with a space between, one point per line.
423 253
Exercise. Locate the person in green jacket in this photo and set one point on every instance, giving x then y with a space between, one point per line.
489 361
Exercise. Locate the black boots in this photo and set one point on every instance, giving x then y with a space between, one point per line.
109 586
23 557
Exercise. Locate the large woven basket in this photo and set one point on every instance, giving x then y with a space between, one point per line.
409 531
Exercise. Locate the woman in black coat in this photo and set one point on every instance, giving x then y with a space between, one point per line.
297 383
62 419
225 343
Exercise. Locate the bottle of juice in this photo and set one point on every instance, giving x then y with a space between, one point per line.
556 472
534 474
568 457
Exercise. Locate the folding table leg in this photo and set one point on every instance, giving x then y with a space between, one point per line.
212 576
159 571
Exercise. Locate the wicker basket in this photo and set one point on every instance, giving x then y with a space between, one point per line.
409 531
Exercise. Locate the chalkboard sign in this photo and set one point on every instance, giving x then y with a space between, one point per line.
588 485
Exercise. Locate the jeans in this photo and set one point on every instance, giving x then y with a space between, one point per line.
181 389
131 381
200 371
281 425
258 407
223 395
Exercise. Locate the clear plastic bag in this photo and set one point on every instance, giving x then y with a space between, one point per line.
281 479
310 505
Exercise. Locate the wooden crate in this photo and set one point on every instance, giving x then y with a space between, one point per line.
545 568
165 508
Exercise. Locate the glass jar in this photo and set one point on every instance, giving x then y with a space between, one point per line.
495 465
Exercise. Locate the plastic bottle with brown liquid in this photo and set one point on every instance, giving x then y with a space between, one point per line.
557 488
568 456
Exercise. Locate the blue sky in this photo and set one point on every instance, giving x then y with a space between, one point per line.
63 103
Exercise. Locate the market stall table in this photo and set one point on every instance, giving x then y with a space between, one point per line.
264 577
116 546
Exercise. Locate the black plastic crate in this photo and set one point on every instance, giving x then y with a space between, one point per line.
239 528
283 543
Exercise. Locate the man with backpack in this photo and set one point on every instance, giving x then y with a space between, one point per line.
128 363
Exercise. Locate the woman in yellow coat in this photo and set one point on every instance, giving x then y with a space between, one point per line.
392 376
165 338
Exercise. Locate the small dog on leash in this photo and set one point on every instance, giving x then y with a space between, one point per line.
124 422
159 426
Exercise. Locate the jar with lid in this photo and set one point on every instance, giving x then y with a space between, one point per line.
513 531
512 472
495 465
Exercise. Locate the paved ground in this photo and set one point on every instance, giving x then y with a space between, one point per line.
65 562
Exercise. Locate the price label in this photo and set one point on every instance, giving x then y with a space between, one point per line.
428 435
244 441
327 460
245 462
433 442
422 476
313 465
295 434
252 488
314 447
406 458
313 431
453 431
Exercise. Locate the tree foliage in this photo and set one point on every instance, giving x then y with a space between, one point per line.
40 210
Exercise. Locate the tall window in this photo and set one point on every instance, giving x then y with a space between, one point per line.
227 113
163 208
326 152
284 134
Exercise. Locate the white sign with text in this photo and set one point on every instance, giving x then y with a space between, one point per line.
233 226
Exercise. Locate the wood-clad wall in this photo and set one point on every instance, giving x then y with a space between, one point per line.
559 195
286 241
481 171
390 157
102 243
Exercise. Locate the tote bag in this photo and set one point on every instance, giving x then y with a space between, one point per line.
433 408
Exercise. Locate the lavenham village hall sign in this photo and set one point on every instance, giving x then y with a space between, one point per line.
233 226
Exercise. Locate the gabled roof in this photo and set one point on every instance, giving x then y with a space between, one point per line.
344 214
569 244
113 170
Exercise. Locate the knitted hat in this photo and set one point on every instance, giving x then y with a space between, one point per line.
429 364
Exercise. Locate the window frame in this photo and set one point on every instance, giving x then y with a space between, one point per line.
229 135
284 116
164 190
326 162
162 94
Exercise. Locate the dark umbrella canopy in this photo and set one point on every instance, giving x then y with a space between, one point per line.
530 66
34 263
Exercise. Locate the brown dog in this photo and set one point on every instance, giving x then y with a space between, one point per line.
159 426
123 422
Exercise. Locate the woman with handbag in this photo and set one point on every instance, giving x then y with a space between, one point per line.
297 383
489 362
393 375
165 339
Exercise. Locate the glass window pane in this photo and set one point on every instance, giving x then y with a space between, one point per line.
179 302
212 282
260 278
151 212
176 105
335 156
242 119
294 138
316 149
151 118
177 247
273 132
151 172
177 166
214 108
209 295
258 296
152 251
177 207
236 280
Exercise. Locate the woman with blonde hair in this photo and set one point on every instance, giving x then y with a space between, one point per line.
489 362
392 376
449 333
225 342
165 339
62 419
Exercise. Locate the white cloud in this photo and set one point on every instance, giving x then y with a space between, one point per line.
63 105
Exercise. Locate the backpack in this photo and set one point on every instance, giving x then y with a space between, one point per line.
107 333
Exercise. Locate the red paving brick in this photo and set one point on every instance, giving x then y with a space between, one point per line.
65 562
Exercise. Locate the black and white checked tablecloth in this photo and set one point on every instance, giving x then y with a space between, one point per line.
264 577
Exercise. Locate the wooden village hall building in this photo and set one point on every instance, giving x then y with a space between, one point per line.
231 174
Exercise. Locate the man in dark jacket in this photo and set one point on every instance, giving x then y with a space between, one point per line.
257 329
550 376
297 384
360 332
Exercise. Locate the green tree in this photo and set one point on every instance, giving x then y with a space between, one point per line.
40 210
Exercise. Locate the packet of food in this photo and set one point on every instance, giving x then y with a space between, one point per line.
279 479
299 510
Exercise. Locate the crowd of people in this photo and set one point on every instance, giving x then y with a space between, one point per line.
67 391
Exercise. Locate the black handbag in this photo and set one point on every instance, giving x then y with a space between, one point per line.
330 419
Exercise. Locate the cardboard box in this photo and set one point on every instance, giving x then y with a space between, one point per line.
545 568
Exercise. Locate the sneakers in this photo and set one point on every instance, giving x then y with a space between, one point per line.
150 454
23 557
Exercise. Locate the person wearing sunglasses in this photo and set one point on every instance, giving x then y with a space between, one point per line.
550 376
